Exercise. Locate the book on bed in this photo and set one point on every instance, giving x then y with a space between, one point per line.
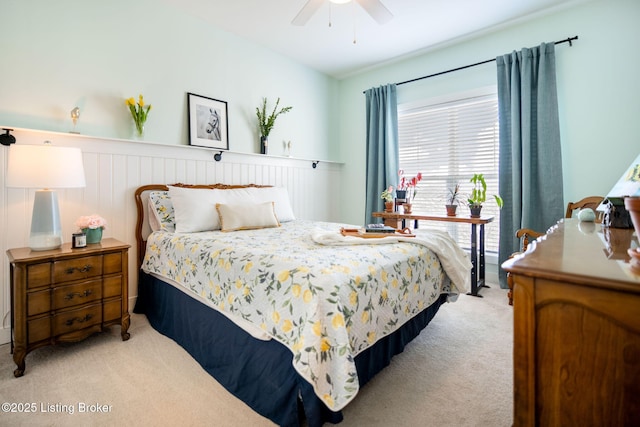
379 228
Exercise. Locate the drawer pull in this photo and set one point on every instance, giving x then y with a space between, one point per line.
72 295
84 269
78 319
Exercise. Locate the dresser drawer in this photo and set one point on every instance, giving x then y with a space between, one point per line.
80 293
38 302
38 275
75 320
39 329
77 268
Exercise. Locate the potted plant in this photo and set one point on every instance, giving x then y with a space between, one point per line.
387 196
453 199
410 185
479 195
92 226
266 122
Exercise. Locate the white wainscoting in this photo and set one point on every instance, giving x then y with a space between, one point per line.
115 168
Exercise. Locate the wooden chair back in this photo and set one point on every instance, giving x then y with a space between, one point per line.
588 202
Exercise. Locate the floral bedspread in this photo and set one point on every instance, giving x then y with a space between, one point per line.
325 303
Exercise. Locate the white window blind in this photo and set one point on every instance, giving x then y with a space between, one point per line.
448 142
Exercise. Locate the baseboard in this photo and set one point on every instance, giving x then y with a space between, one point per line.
491 274
5 335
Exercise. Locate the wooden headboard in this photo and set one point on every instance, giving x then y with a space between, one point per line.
142 196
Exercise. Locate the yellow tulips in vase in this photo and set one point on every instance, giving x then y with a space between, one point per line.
139 112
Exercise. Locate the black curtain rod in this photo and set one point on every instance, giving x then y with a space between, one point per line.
567 40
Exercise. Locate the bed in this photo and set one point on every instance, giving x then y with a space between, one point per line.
289 315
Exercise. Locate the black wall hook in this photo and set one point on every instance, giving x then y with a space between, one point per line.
6 138
315 164
217 157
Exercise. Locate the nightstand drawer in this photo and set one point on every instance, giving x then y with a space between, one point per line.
77 268
112 310
38 275
80 293
112 286
113 263
74 320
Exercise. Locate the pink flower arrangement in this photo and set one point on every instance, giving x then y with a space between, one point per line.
92 221
409 184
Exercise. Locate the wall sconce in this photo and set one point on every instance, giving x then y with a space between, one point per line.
6 138
45 167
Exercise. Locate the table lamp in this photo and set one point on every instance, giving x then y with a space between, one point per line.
45 167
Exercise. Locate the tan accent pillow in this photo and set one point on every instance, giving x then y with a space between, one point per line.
247 216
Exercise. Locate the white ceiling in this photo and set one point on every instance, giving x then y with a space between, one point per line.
418 25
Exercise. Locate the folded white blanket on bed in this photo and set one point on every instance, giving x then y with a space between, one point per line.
454 260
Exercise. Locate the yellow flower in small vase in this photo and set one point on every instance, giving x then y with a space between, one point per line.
139 113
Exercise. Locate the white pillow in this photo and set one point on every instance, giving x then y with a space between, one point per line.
247 216
195 207
278 195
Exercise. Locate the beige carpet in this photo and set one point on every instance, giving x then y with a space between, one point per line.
458 372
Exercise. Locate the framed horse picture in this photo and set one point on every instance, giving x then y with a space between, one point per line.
208 122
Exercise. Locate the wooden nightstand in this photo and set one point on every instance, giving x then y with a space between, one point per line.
65 295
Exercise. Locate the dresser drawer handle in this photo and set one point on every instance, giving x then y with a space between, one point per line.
84 269
78 319
72 295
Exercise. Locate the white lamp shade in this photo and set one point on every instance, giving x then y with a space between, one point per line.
629 182
45 166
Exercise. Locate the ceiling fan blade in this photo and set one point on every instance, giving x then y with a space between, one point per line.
377 10
307 12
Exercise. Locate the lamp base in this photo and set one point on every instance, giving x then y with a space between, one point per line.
44 242
46 232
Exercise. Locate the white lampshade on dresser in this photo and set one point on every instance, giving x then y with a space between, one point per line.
45 167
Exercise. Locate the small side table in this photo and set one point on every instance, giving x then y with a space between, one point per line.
398 220
65 295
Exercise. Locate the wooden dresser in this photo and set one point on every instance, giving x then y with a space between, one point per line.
66 294
576 349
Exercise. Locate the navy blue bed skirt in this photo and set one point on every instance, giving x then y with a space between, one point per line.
257 372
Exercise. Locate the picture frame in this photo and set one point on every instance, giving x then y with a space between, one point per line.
208 122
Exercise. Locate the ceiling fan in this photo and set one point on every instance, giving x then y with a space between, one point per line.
375 8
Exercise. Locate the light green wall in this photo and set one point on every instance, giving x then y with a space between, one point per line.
598 92
57 55
94 54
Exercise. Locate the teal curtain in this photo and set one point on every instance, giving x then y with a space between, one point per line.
382 146
530 162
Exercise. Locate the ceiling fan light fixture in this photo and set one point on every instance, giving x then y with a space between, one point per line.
375 8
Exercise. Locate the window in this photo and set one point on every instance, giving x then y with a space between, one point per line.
448 141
